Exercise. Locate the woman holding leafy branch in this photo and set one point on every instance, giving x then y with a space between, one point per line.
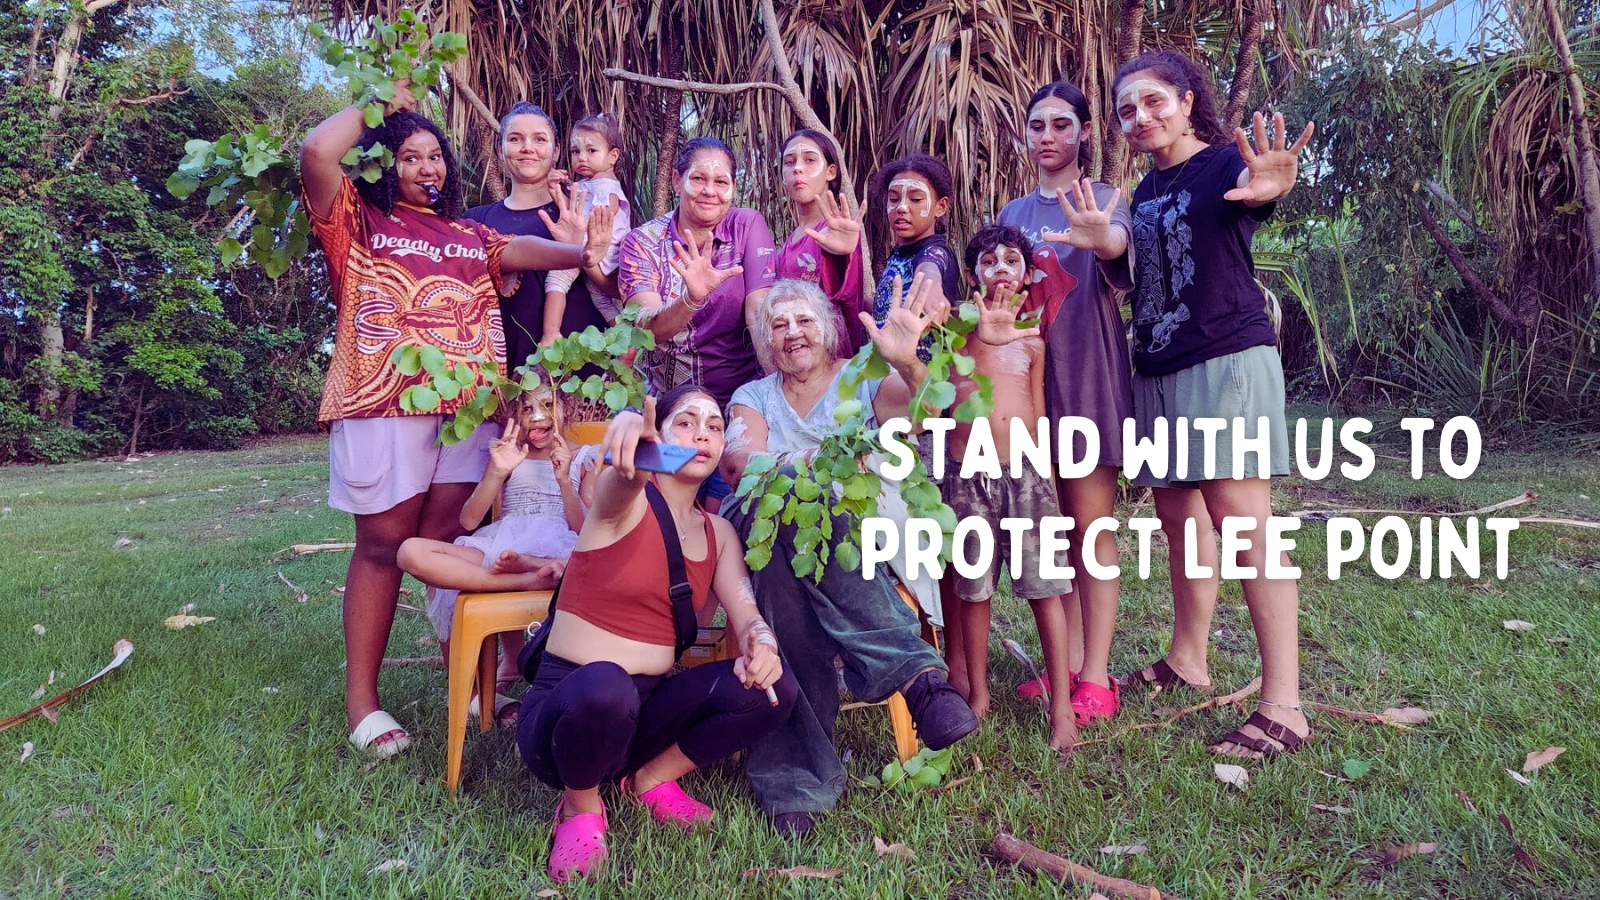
795 771
405 271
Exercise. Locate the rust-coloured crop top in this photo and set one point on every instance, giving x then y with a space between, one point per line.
623 588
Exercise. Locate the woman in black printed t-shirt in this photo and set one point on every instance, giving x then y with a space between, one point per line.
1205 348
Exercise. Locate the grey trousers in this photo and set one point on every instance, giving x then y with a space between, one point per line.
795 767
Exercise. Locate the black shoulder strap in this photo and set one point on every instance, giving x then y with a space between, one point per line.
677 577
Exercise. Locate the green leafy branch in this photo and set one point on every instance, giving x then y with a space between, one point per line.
253 174
836 480
475 388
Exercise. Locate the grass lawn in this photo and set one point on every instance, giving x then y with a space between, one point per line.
214 763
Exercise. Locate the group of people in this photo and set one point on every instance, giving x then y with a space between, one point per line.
751 342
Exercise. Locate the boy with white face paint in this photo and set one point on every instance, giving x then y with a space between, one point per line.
998 258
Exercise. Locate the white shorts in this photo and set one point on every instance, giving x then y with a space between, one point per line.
376 464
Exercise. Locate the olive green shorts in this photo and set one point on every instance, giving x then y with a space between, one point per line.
1247 385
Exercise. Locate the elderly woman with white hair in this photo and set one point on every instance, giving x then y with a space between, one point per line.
795 771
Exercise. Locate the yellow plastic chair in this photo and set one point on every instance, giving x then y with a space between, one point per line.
478 619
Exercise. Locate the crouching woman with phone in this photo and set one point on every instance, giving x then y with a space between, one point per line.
601 705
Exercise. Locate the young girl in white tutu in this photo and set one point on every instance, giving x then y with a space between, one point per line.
530 471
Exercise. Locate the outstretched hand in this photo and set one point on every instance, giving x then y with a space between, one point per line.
623 435
571 225
1274 169
843 231
508 452
997 319
598 236
1090 223
905 324
700 276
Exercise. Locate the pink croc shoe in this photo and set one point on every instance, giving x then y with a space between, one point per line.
1091 702
671 806
1034 689
580 845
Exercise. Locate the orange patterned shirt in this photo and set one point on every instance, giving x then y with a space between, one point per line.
412 277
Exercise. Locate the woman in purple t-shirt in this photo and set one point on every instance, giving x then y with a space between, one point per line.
684 268
825 247
1080 231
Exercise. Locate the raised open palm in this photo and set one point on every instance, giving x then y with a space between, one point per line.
699 276
997 319
908 318
842 232
1090 223
508 453
1272 171
571 225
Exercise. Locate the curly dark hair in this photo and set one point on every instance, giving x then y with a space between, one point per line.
384 192
1184 74
994 235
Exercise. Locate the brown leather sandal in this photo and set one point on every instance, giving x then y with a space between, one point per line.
1277 731
1163 676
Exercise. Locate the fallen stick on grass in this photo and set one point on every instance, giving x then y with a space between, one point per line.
300 592
403 662
1519 500
303 549
1235 697
1021 853
123 649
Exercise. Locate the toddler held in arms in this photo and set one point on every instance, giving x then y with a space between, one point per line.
526 548
998 258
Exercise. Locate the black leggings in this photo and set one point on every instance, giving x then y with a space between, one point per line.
584 725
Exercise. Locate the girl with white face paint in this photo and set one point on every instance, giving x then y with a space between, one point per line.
596 149
825 246
1204 347
915 194
602 705
1080 232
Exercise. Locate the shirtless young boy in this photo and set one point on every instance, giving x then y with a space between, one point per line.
998 258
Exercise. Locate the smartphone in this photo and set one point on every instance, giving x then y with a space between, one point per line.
665 458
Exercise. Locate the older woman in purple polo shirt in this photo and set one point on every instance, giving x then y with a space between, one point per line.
699 273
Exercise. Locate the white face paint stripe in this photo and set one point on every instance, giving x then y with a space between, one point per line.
906 186
712 166
1003 264
1044 115
701 409
1140 115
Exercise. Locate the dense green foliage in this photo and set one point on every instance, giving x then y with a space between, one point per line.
156 347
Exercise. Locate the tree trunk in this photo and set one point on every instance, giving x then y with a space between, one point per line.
51 340
32 70
1583 138
1493 303
1245 61
671 123
1130 42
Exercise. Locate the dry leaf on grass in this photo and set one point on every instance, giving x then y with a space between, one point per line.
179 622
38 629
52 678
1523 857
1517 625
121 542
900 850
795 872
1518 777
1465 800
1125 849
1336 810
49 712
1407 715
38 693
547 894
27 751
1540 758
1390 855
1227 773
388 865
